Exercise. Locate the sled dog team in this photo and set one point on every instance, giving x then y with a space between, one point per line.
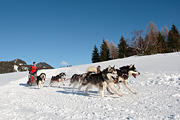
58 78
107 78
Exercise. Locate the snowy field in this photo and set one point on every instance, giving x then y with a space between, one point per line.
158 97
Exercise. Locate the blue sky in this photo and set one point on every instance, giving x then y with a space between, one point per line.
65 31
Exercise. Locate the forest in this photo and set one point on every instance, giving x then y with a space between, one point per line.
152 42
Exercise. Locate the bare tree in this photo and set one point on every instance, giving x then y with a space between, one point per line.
165 32
152 28
138 40
107 43
151 38
113 50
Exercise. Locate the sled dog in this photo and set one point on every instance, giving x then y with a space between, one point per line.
58 78
41 79
123 74
77 79
101 80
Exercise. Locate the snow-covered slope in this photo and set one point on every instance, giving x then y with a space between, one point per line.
8 77
158 96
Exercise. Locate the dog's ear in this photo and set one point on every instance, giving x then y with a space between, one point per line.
109 67
114 66
131 66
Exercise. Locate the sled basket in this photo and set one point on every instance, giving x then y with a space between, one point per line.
31 81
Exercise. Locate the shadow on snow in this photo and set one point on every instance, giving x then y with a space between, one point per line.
74 91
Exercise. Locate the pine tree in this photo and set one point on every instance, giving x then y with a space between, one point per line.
161 44
95 55
173 41
104 53
122 47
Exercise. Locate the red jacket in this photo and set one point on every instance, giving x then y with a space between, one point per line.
33 69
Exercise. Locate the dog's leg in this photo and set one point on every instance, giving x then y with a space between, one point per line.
88 87
63 82
101 89
85 82
42 83
70 84
50 84
109 91
74 85
111 85
80 87
79 80
39 84
128 87
58 84
120 87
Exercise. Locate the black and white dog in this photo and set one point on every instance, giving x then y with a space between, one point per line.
101 80
41 79
77 79
123 74
58 78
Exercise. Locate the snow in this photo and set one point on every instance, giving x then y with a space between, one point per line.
158 96
6 78
16 68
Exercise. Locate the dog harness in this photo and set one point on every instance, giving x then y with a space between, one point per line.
124 77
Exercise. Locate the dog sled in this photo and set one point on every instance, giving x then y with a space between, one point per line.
31 80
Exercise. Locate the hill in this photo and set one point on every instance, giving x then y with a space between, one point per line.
19 65
43 65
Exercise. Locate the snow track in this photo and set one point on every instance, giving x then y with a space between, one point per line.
158 98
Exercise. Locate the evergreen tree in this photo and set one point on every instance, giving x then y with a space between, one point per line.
104 53
161 44
122 47
173 41
95 55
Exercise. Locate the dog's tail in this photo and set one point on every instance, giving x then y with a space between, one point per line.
92 69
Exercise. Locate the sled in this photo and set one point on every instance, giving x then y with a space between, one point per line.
31 81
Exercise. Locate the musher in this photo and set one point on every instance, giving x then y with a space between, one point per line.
33 70
98 69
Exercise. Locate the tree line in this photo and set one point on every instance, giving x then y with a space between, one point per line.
152 42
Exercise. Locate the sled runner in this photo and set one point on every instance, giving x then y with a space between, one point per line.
31 81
